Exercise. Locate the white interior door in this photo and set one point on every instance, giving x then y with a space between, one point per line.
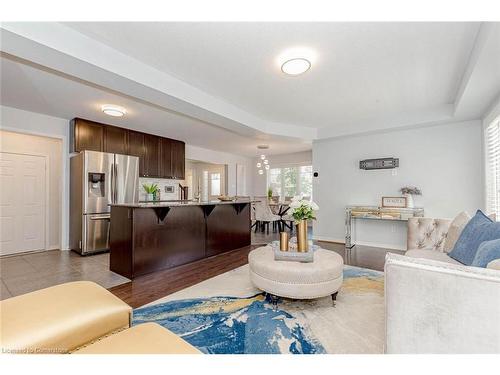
22 203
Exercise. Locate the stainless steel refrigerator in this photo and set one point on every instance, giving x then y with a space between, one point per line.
98 179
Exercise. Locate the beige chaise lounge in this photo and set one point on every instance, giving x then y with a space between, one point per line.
79 317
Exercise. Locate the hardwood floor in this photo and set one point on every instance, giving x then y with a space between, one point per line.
148 288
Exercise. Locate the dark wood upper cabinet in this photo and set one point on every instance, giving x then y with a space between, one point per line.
166 157
158 157
115 140
152 156
178 159
86 135
136 148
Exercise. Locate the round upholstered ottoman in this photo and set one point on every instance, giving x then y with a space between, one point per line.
296 280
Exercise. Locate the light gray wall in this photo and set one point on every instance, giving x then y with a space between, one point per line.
445 161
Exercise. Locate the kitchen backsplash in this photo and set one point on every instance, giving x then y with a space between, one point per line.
162 184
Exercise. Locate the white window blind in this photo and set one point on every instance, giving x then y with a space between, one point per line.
492 143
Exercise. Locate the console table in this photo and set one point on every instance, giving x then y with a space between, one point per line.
376 213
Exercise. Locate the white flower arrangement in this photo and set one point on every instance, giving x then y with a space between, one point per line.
303 209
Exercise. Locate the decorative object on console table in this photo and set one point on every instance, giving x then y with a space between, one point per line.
394 202
408 192
302 211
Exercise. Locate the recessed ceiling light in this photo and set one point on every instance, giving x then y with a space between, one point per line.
113 110
296 66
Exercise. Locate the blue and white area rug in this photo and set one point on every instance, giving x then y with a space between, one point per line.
227 315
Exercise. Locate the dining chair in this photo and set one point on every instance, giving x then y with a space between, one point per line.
288 218
253 220
264 216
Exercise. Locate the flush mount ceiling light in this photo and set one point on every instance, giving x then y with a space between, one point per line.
297 66
113 110
297 60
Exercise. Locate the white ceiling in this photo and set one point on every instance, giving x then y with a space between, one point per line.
32 88
363 70
222 83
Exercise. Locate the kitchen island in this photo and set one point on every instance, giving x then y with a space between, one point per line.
148 237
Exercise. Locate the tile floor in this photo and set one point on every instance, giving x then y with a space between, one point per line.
25 273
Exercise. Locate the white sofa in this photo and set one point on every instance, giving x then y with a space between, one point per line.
438 307
434 304
427 240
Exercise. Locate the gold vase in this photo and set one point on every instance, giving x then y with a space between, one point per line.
302 244
284 241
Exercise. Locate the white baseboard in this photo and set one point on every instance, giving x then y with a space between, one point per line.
363 243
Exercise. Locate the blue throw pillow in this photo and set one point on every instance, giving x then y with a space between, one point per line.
487 251
479 229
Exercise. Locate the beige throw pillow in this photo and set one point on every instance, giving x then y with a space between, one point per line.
456 227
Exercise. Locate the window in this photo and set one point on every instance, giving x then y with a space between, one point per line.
291 181
305 180
275 180
492 148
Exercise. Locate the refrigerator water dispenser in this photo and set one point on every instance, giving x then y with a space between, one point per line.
96 184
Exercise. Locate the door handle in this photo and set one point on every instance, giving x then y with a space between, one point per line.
112 183
115 198
106 217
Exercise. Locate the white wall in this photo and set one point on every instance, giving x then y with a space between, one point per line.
445 161
277 161
32 123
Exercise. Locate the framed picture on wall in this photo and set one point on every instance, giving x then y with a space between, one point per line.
394 202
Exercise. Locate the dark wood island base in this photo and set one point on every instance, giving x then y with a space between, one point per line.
145 238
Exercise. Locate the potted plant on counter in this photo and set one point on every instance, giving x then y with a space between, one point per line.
151 191
302 211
